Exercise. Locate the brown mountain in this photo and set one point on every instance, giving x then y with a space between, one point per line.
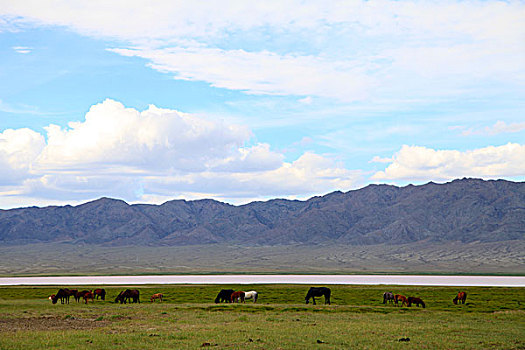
466 210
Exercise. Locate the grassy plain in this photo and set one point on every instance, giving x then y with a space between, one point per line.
492 318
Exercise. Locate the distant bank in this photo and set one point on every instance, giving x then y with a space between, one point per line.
415 280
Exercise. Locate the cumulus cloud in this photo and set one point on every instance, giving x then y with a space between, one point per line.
18 151
155 154
153 139
422 163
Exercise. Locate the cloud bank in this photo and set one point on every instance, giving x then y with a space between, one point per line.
156 154
422 163
346 51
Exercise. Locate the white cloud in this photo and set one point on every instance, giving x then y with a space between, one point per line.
22 49
421 163
155 153
500 127
18 151
343 50
260 72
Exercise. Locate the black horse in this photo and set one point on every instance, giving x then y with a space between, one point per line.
127 296
224 296
63 295
318 292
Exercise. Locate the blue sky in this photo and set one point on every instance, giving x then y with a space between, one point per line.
240 102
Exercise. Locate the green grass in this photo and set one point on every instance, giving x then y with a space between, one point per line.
493 318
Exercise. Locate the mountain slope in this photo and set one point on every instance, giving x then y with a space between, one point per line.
464 210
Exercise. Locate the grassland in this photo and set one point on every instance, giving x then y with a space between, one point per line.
492 318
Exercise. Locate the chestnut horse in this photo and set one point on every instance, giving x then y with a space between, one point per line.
414 300
236 296
462 296
156 296
100 293
79 295
400 298
89 295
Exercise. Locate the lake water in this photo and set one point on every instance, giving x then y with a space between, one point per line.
416 280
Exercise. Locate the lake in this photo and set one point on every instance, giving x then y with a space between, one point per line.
415 280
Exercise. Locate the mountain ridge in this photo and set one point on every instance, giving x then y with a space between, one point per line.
465 210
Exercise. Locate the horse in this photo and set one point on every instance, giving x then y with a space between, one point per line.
317 292
72 292
236 296
89 295
251 295
224 296
156 296
79 295
388 296
414 300
402 298
127 295
63 295
462 297
100 293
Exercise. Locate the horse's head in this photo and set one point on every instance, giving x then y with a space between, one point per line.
307 300
455 300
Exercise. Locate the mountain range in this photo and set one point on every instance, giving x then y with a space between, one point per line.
464 210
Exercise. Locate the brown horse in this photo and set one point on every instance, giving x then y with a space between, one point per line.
400 298
100 293
89 295
236 296
462 297
79 295
414 300
128 295
156 296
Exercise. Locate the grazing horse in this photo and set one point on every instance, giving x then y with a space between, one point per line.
251 295
388 296
100 293
236 296
225 295
128 295
462 297
317 292
89 295
63 295
156 296
400 298
79 295
414 300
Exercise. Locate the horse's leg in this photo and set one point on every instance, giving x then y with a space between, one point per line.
313 298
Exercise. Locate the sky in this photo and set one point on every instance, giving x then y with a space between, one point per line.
150 101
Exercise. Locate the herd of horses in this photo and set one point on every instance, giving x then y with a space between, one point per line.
231 296
390 297
65 294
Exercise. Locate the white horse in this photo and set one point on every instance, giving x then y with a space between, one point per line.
251 295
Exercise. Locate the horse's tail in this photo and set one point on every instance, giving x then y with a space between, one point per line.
423 304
